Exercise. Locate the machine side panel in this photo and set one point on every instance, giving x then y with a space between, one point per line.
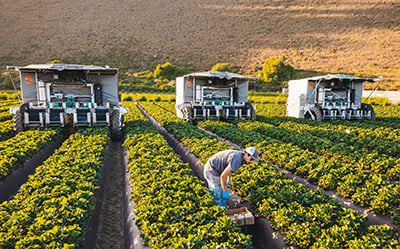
180 91
184 90
109 85
243 91
297 97
359 89
28 87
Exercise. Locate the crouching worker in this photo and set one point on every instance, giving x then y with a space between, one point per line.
219 168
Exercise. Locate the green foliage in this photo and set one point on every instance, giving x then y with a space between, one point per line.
6 81
276 72
129 98
223 67
52 208
17 150
168 71
308 218
6 129
172 207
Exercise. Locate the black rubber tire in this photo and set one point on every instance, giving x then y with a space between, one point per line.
368 107
116 128
316 112
253 113
18 122
188 114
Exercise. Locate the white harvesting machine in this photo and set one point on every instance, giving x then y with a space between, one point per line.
61 94
213 95
335 96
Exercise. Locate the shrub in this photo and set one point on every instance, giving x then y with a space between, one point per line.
275 72
127 99
168 71
223 67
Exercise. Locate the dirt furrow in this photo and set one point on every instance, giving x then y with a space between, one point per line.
110 232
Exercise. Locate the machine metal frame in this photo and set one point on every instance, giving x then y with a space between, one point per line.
336 96
59 94
213 95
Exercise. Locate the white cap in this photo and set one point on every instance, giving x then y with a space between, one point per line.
253 152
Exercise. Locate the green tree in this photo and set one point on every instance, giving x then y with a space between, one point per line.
275 72
223 67
168 71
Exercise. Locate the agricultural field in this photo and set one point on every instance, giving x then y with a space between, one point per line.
337 162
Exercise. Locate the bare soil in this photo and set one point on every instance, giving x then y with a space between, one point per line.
357 37
110 233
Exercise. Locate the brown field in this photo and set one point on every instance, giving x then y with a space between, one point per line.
328 36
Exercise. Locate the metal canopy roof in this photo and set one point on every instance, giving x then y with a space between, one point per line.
62 67
220 75
343 77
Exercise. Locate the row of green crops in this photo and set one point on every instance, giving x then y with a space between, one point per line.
339 149
53 207
169 106
17 150
356 129
8 95
148 97
364 188
274 98
270 110
382 140
5 109
172 207
6 129
387 111
188 134
6 104
307 218
5 116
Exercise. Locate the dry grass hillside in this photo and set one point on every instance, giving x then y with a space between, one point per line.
359 37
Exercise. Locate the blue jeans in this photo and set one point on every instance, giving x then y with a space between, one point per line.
214 184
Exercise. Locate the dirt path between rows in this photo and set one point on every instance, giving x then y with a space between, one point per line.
110 233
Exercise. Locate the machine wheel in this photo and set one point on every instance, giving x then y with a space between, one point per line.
366 108
116 128
316 112
187 114
18 122
253 113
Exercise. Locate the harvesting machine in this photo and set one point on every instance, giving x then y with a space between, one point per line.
213 95
333 96
61 94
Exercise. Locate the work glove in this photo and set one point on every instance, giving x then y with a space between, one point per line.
225 195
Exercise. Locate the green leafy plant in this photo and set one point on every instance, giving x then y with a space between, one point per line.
302 214
168 71
53 207
173 209
223 67
275 72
